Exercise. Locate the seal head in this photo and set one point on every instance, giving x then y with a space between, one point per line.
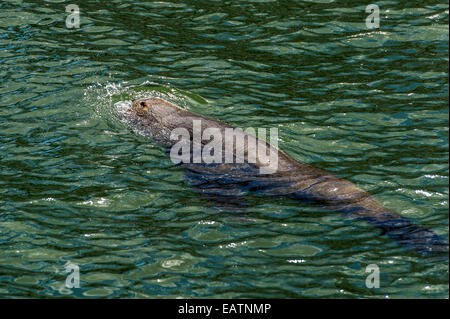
154 117
154 109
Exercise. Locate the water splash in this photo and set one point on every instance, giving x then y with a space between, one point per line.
111 100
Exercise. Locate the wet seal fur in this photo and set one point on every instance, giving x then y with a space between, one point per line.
156 118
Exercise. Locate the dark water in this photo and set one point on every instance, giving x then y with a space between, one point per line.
76 185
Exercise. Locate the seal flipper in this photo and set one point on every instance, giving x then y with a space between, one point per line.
334 193
403 230
210 179
225 195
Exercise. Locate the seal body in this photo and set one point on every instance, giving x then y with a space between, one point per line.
157 118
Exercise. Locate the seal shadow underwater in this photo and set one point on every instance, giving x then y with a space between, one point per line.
224 182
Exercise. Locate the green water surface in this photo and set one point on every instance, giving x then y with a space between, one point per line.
370 105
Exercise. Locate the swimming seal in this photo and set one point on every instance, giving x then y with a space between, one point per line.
157 118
